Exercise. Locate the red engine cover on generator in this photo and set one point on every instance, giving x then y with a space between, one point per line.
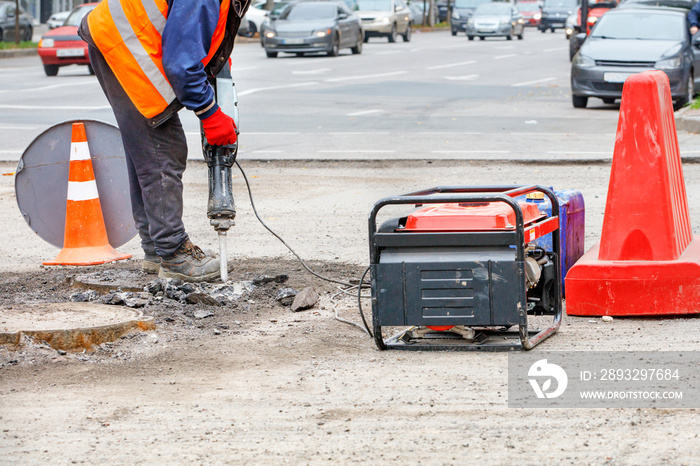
470 217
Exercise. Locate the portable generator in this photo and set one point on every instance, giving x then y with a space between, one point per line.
463 268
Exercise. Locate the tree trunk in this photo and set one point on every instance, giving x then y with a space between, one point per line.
16 21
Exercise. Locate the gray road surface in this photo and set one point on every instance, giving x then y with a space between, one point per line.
437 97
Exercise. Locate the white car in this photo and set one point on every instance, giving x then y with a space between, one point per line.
254 17
57 19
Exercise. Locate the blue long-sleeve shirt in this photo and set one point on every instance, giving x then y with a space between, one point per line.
694 15
186 41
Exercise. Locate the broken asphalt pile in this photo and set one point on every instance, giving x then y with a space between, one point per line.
200 293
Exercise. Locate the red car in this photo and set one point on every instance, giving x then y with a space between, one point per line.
62 46
531 12
595 12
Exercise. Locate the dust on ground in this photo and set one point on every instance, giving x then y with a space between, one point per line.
255 382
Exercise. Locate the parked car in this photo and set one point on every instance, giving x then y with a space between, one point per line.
419 11
384 18
461 12
62 46
441 7
57 19
595 12
315 26
495 19
630 40
555 12
531 11
253 19
7 23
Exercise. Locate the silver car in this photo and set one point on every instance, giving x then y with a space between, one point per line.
384 18
496 19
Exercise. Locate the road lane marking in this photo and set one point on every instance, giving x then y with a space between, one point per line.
11 151
364 112
451 65
556 49
31 128
535 133
355 151
392 52
535 81
272 133
54 107
366 76
318 71
56 86
469 77
445 133
417 49
508 55
470 152
505 47
45 88
274 88
254 133
292 61
357 133
266 152
575 152
458 46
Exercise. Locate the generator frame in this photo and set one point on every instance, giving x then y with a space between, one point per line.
482 337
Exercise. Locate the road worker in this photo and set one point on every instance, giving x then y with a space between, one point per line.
152 58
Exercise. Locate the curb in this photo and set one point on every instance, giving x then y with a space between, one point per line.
14 53
688 120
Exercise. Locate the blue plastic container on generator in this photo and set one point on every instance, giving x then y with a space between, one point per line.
572 226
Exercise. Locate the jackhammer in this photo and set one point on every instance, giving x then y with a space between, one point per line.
221 209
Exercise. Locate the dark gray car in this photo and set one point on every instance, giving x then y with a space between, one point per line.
555 12
632 40
316 26
7 23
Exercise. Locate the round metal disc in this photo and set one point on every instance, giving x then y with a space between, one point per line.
41 183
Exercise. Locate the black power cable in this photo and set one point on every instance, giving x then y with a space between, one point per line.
359 286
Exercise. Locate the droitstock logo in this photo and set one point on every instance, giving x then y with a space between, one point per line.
547 372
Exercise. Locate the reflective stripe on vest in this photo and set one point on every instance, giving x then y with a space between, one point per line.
129 35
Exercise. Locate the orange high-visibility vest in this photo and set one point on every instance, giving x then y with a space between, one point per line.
128 33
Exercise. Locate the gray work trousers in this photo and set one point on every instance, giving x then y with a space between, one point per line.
155 159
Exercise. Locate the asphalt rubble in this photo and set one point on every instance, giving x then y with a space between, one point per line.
180 309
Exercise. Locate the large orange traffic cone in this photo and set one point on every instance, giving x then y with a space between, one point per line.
85 240
647 261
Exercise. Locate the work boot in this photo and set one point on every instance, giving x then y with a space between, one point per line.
150 263
189 263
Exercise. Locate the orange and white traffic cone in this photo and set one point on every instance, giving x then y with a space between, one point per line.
85 240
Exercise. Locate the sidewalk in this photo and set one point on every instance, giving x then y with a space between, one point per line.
688 119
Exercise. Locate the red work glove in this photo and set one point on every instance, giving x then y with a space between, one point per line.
219 129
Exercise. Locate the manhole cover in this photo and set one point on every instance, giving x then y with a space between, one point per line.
70 326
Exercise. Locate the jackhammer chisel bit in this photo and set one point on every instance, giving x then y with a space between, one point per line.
221 209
